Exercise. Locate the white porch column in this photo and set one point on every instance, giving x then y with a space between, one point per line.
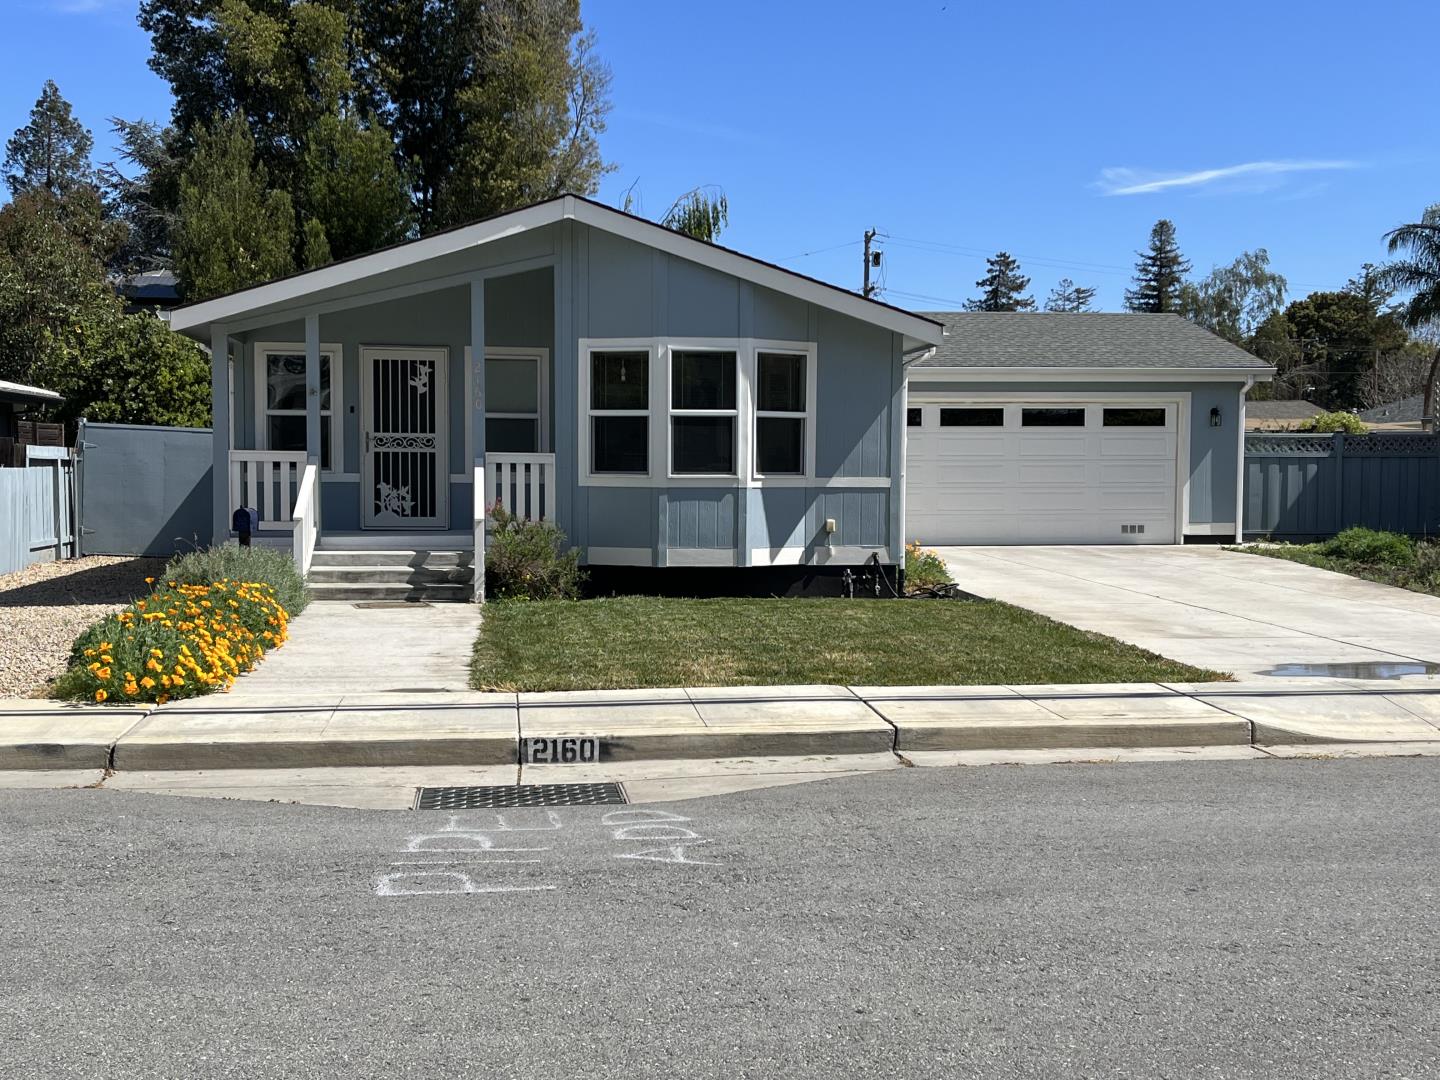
312 388
221 438
476 420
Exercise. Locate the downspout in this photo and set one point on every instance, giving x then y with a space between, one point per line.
1240 464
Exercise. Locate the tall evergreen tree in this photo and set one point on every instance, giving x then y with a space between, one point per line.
1067 296
1160 273
1002 286
234 230
142 189
52 151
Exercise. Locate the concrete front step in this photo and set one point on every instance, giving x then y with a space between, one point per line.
396 557
352 591
390 575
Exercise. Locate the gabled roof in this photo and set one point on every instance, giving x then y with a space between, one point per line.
1281 410
1079 341
290 292
1406 410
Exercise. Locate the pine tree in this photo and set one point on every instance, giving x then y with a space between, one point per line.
1067 296
233 230
1001 287
52 151
1160 273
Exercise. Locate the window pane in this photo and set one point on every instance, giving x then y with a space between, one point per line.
287 432
512 386
914 417
703 444
325 443
511 436
1135 417
284 382
1052 417
782 383
621 444
703 380
779 446
620 380
972 417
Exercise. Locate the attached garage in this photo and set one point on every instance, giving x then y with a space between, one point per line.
1075 429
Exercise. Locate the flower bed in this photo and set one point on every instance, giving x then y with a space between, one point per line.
180 641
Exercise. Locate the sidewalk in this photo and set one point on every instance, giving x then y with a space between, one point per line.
291 728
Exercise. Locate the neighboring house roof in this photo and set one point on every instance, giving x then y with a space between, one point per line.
1281 410
11 391
150 288
1077 341
290 293
1405 411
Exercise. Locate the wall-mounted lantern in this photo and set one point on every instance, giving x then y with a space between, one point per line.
1215 416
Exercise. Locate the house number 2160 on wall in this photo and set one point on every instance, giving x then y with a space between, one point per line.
562 750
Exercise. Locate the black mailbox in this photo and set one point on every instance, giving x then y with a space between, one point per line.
245 521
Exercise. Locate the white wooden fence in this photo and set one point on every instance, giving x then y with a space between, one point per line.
39 518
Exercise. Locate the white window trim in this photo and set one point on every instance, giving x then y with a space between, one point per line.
588 346
806 476
526 352
336 353
713 345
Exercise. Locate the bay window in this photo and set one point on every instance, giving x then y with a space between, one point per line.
620 412
781 407
703 412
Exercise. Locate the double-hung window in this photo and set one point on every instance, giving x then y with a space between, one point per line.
703 412
282 399
781 413
620 411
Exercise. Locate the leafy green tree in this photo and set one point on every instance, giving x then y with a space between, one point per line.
128 369
1002 286
1067 296
233 230
1418 273
351 188
700 213
1159 274
1339 336
52 151
1235 300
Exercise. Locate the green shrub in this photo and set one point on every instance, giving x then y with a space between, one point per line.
230 562
1329 422
529 561
924 569
1363 545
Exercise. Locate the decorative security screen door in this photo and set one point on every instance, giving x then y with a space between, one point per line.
404 479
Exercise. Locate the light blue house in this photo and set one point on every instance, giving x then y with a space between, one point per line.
667 402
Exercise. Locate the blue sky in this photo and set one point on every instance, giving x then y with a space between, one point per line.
1059 131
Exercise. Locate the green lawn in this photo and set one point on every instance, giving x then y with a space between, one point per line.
630 642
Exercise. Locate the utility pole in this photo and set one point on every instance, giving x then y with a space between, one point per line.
872 259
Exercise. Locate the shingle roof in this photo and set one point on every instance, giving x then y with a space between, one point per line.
1083 340
1396 412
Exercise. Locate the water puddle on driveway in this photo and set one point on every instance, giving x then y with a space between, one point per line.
1370 669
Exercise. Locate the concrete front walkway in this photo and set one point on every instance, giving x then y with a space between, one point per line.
1216 609
338 647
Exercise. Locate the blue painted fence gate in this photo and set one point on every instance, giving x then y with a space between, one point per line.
1300 487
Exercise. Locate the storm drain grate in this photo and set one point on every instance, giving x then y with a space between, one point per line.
503 797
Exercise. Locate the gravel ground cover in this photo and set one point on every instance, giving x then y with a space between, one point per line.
44 607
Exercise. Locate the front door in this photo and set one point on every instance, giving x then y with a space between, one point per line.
404 475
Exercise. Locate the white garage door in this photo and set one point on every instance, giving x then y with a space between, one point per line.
1042 472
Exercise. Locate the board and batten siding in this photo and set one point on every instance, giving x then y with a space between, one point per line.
1213 451
613 288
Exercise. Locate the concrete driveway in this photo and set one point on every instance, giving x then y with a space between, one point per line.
1217 609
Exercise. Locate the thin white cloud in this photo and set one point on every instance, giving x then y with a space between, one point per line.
81 7
1252 175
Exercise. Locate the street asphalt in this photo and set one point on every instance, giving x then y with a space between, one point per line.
1219 919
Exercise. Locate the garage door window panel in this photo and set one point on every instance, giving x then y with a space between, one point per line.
972 416
1135 417
781 413
1053 417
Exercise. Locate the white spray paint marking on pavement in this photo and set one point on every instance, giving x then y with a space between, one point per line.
461 884
472 844
652 826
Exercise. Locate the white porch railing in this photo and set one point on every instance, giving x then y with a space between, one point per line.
524 484
477 589
307 518
268 480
